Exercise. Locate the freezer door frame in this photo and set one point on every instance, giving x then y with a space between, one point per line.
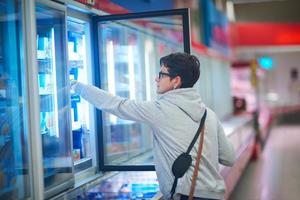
185 14
80 17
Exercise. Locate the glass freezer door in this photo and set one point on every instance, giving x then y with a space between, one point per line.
78 33
14 130
127 61
54 98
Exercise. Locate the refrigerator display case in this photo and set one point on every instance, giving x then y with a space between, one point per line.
14 155
82 115
53 81
127 53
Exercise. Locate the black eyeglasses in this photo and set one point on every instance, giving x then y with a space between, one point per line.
162 74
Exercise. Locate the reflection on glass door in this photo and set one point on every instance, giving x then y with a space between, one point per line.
54 101
14 177
124 77
130 46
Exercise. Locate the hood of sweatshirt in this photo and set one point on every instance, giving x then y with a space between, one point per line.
188 100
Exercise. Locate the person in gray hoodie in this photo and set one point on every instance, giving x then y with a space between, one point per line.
174 117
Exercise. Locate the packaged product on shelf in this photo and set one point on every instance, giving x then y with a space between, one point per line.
85 140
76 154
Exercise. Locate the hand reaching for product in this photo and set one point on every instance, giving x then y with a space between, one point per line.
72 84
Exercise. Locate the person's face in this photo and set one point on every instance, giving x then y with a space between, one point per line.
165 82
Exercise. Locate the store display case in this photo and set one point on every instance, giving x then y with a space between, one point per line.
126 61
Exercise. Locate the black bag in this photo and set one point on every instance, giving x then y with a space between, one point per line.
181 165
184 160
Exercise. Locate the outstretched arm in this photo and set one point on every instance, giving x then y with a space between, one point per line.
144 111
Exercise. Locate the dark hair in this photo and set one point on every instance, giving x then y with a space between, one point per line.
184 65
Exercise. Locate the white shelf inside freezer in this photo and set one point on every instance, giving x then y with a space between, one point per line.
76 63
57 162
43 91
45 65
56 165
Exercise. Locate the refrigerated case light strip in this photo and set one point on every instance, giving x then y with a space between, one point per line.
148 51
111 74
111 67
131 72
84 56
55 121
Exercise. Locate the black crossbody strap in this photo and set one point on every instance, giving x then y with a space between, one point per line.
174 187
197 134
189 150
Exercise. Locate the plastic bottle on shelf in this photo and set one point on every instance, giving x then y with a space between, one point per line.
85 140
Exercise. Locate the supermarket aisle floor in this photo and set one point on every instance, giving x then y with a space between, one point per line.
276 175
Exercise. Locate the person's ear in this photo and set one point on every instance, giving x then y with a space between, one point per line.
176 82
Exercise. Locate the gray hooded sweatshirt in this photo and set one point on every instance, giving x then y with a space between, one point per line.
174 118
